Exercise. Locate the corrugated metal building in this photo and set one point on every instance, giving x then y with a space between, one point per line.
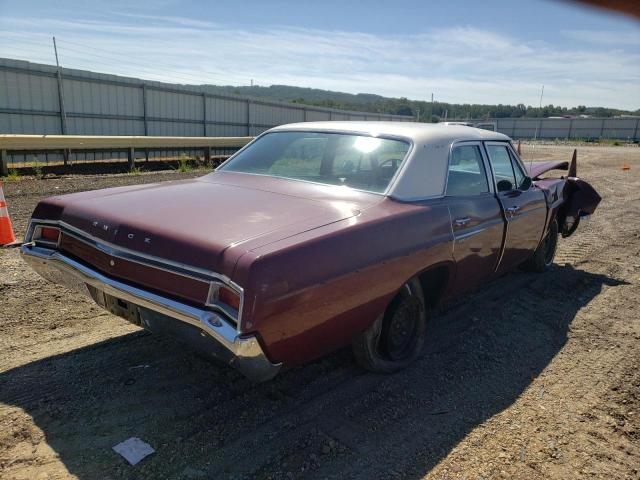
101 104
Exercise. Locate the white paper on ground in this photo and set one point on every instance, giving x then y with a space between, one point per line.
133 450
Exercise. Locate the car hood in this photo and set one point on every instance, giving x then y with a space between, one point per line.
196 222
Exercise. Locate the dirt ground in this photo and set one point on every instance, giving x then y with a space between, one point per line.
531 377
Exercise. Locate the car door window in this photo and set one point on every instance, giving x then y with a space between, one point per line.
502 167
520 176
467 175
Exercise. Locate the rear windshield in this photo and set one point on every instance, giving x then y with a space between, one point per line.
357 161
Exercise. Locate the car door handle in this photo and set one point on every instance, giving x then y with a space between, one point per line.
512 210
461 222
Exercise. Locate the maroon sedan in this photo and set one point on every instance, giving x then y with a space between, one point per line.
312 237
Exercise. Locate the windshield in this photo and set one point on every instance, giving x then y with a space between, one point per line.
357 161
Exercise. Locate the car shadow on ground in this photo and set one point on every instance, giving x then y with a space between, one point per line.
328 419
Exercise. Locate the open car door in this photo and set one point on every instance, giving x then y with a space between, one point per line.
523 205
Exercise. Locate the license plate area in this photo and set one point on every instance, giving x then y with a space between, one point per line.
116 306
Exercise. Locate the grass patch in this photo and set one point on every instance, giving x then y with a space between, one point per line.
13 176
610 142
37 167
135 171
183 164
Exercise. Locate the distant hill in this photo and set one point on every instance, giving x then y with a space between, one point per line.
367 102
297 94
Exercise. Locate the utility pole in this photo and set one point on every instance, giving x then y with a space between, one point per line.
63 113
418 115
539 125
431 108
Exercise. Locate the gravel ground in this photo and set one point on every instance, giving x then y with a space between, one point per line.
531 377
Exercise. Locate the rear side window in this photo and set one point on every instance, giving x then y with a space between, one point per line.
466 175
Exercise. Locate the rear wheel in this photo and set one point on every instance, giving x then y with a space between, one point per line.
396 337
543 257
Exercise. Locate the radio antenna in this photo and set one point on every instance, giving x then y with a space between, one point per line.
535 136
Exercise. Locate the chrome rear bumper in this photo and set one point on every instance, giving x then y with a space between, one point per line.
246 354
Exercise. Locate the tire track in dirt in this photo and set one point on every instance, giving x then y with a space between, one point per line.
304 411
307 414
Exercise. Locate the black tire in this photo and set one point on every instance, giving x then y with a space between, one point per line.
542 258
397 336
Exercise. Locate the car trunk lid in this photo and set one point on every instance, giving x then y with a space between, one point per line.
195 222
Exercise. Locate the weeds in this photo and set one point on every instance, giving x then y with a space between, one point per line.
610 142
37 168
183 164
135 171
13 176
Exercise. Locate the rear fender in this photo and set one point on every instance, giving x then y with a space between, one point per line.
436 282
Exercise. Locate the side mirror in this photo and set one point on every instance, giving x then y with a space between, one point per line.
505 186
526 184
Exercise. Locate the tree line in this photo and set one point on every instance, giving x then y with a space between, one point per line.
424 110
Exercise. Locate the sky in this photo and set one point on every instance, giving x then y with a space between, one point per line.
461 51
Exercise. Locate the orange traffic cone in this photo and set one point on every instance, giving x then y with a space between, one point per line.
6 229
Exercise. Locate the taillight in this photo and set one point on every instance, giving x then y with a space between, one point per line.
49 236
229 297
225 298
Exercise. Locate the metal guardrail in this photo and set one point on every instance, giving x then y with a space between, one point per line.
93 143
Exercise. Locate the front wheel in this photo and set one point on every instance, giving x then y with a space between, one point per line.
396 337
543 257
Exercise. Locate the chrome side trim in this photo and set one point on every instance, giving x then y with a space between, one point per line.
128 254
462 236
248 356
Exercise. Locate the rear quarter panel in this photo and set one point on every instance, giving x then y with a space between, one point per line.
312 293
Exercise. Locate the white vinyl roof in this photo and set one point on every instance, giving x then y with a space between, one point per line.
424 172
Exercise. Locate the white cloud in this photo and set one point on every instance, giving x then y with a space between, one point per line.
459 64
608 38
